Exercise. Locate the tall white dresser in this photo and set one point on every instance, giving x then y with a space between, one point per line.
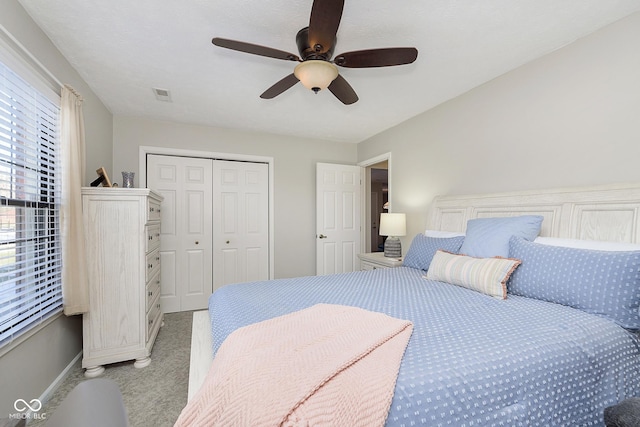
122 236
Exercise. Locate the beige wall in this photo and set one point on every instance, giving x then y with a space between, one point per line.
294 168
571 118
28 370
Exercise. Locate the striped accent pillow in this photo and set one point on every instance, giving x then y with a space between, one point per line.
486 275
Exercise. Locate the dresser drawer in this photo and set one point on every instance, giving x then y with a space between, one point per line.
152 233
153 317
153 290
364 266
153 210
375 260
153 264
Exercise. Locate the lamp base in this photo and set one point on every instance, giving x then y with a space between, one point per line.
392 247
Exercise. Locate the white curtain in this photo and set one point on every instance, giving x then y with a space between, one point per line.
75 286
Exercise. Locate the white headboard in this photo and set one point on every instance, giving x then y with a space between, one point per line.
605 213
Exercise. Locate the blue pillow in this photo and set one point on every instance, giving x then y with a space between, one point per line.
598 282
489 237
423 248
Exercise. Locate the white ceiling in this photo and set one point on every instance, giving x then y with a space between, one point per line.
124 48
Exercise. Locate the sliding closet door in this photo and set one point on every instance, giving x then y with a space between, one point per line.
240 221
186 234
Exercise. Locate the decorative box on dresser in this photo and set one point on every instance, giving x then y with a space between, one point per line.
374 260
122 238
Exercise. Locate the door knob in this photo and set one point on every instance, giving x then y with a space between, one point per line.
322 236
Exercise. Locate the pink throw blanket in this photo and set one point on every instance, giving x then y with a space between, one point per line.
326 365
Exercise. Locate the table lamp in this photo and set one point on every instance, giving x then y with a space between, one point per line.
393 225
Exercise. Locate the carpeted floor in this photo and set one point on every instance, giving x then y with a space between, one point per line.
155 395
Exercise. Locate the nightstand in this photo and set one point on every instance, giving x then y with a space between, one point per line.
373 260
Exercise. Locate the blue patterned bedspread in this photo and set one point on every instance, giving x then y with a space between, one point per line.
472 360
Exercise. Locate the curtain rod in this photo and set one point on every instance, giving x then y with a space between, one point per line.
29 58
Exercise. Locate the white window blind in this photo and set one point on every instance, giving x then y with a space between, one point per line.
30 252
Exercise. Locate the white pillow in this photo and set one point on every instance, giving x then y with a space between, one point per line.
588 244
443 234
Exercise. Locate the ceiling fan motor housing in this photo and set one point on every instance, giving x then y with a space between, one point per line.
312 52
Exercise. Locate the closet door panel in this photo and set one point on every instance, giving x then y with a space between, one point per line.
186 237
241 232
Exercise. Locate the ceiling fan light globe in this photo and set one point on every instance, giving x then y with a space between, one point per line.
315 74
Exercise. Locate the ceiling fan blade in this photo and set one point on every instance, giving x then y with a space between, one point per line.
254 49
280 87
324 23
343 90
385 57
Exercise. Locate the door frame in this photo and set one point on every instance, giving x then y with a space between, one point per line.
142 167
365 197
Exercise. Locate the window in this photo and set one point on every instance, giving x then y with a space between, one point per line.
30 251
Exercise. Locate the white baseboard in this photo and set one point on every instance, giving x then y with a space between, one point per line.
46 395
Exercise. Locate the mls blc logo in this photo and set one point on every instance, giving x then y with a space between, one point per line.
21 405
28 410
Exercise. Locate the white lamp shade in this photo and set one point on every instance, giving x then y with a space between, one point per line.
315 74
393 224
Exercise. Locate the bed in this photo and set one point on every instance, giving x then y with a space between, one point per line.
555 352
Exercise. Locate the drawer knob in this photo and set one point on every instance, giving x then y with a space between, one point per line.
150 293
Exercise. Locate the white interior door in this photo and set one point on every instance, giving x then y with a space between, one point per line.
338 189
186 229
241 222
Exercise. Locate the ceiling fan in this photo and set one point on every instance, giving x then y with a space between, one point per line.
316 42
